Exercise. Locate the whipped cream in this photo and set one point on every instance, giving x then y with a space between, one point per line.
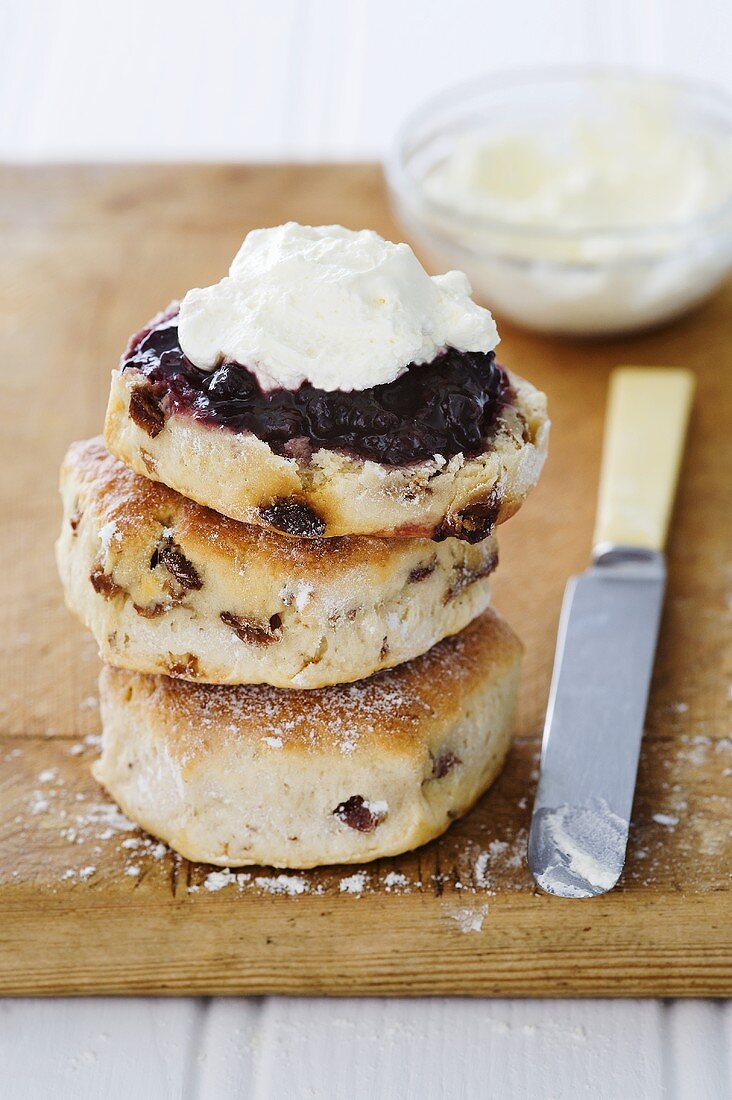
632 167
340 309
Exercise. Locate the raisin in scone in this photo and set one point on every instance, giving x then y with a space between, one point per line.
253 775
168 586
328 386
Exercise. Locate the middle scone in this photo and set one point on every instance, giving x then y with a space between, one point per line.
168 586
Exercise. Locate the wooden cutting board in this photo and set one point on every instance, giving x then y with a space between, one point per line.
88 904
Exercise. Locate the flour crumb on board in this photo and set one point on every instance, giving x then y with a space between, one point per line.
469 919
82 873
394 880
494 862
669 820
482 877
354 884
38 804
217 880
283 884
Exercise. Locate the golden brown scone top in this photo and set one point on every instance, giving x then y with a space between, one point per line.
391 713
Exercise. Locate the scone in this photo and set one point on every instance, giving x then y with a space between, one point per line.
254 775
167 586
329 386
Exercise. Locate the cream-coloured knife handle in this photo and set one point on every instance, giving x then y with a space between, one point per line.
647 414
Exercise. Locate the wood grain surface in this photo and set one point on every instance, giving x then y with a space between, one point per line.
89 904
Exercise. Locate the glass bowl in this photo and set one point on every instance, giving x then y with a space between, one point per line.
572 271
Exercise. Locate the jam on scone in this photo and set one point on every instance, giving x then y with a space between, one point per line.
445 407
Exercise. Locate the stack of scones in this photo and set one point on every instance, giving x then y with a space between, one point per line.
283 548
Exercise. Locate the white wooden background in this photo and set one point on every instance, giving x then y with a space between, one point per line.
311 79
287 1049
254 79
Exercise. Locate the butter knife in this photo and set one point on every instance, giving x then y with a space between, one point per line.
607 640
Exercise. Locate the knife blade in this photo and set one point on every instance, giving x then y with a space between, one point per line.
606 643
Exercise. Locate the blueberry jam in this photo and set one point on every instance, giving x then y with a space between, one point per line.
445 407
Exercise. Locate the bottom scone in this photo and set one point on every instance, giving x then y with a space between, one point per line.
255 774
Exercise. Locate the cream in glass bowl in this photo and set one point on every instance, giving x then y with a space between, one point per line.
577 202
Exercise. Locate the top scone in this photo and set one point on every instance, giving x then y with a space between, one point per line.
329 386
